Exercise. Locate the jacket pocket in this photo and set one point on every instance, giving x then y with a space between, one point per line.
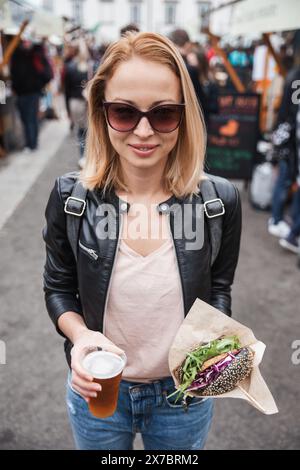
89 251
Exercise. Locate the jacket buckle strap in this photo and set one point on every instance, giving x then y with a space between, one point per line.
75 206
216 210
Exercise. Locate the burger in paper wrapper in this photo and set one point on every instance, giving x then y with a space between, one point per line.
215 367
213 355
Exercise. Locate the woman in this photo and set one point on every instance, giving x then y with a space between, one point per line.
130 290
30 72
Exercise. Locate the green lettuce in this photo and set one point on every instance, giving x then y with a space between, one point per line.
195 359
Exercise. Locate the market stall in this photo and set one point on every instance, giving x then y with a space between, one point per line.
234 132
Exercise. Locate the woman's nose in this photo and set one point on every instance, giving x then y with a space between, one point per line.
143 129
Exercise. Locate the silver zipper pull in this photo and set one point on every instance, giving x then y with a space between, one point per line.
89 250
93 253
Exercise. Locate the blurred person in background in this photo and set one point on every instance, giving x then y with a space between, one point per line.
285 57
291 241
197 58
70 52
182 40
240 60
96 55
273 100
30 72
129 27
238 57
101 51
209 51
49 107
284 138
77 73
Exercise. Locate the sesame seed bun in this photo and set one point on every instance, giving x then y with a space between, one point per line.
239 368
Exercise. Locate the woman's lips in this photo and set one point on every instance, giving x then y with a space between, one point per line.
144 153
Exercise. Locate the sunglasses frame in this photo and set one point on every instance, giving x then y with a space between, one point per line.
141 114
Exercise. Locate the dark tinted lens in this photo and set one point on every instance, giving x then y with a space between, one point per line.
122 117
166 118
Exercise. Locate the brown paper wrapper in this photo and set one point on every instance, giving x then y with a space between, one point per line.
205 323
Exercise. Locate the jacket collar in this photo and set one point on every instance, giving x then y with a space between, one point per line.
123 206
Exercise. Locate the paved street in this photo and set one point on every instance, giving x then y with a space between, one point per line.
266 297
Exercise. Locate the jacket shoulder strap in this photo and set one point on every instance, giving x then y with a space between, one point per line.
74 208
214 209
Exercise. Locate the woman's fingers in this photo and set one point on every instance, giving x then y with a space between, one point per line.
114 349
83 384
78 368
85 393
86 389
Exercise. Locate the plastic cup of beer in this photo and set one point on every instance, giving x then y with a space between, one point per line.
106 368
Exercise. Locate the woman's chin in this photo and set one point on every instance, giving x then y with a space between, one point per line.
140 162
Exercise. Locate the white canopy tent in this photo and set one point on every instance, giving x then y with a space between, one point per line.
44 23
265 17
248 17
5 16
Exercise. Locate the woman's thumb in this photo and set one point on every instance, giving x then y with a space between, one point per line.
114 349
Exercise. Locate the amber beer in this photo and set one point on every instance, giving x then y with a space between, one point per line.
106 369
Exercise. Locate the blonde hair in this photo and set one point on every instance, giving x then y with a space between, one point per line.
184 167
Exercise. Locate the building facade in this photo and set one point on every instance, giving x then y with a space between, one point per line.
107 17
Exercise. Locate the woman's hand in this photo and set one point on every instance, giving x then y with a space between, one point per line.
86 342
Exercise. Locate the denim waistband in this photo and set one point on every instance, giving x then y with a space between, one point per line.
158 385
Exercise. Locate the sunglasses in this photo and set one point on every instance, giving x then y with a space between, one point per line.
123 117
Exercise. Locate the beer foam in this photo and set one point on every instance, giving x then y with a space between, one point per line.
103 364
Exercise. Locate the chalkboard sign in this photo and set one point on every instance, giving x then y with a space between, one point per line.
232 136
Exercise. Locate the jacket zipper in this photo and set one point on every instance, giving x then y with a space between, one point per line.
111 274
91 252
179 273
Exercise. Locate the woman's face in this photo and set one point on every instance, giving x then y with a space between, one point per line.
144 83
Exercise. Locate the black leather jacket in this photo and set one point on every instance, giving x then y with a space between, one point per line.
83 286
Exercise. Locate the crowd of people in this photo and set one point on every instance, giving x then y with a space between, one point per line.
33 70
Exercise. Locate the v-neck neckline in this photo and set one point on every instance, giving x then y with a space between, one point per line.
138 255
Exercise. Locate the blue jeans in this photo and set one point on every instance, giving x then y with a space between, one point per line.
282 185
295 228
28 106
142 408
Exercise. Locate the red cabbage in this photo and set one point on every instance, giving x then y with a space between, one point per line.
206 377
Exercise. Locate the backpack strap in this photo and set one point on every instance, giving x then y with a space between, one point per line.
213 209
74 208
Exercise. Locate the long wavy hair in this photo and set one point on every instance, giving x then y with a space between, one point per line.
184 168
